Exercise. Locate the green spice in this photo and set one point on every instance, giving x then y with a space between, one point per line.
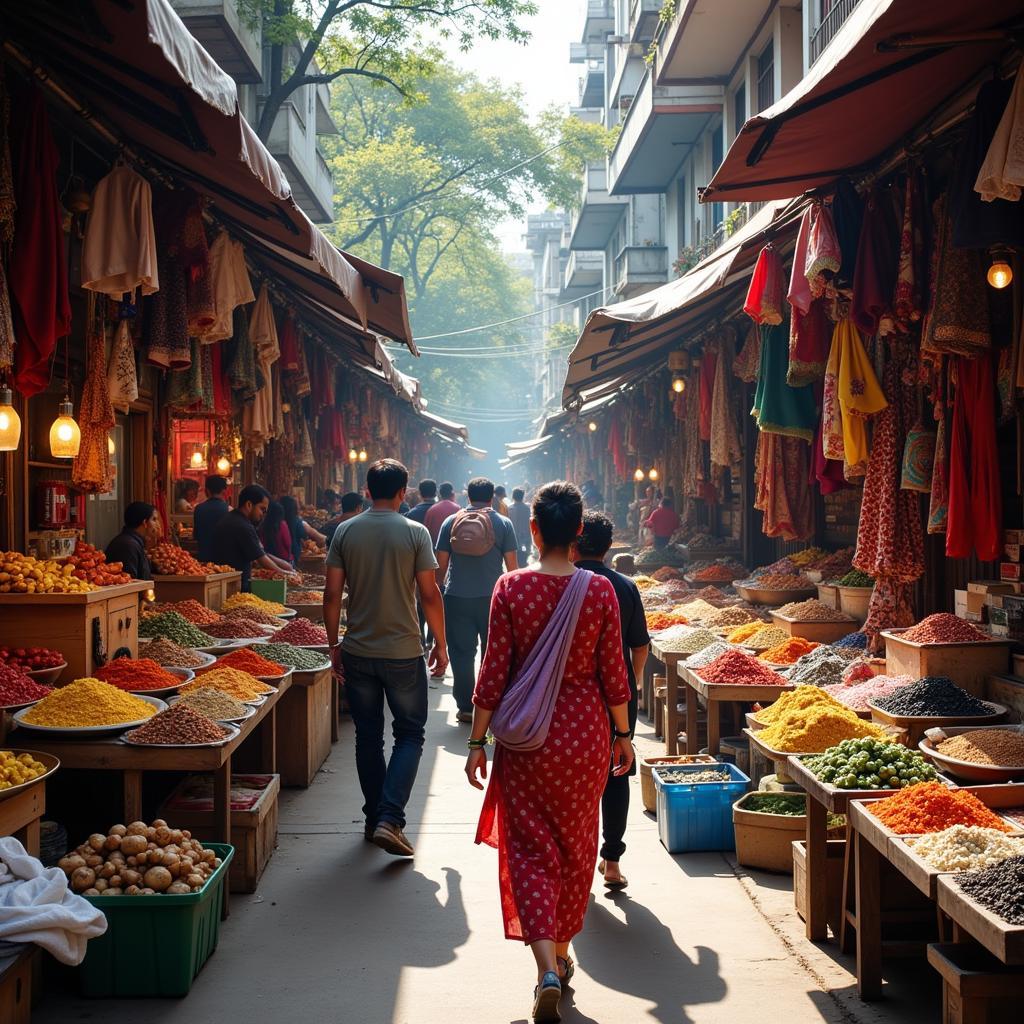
775 803
176 627
856 578
299 657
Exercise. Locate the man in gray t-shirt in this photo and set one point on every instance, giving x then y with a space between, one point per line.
468 589
384 558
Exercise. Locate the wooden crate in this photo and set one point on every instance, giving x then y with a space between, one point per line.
968 665
211 590
16 987
975 986
70 623
817 632
304 727
828 595
253 831
835 851
1004 941
1008 691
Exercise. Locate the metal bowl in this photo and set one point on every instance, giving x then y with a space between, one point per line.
967 769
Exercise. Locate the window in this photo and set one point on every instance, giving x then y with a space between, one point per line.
766 77
739 106
717 155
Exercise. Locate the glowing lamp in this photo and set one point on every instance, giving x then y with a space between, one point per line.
362 455
111 447
1000 273
678 385
653 474
638 475
65 436
592 426
352 455
10 422
223 465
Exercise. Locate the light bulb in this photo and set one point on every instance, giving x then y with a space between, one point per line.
592 426
678 385
111 449
1000 274
638 475
362 455
223 465
10 422
65 437
653 474
352 455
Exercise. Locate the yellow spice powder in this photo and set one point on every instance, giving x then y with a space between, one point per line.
231 681
741 633
796 701
88 702
247 600
816 728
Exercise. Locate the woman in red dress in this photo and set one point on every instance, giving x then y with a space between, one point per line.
543 806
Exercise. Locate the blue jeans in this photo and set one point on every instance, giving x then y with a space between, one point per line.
402 682
465 620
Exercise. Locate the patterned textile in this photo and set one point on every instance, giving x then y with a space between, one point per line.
891 606
240 359
725 441
859 397
918 460
542 808
166 334
912 274
823 252
122 382
809 335
938 504
874 279
781 487
747 362
90 471
764 302
185 386
779 408
707 386
1002 174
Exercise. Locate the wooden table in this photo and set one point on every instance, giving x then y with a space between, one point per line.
670 659
304 726
715 694
20 814
211 589
110 754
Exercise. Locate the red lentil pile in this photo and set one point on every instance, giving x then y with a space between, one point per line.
739 669
932 807
196 613
17 688
247 660
943 628
302 633
136 674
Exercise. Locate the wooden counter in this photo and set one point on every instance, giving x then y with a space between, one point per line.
211 590
21 813
73 623
304 727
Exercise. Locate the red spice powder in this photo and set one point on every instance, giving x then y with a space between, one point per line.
739 669
943 628
136 674
245 659
932 807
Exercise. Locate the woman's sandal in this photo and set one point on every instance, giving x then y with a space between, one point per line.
545 999
570 968
619 883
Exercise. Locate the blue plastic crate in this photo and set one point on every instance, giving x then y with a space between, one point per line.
698 816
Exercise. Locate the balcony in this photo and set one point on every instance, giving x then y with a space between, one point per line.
639 268
592 86
594 222
643 19
662 123
293 143
599 21
224 35
584 274
831 23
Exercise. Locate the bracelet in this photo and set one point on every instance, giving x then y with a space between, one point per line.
476 744
621 735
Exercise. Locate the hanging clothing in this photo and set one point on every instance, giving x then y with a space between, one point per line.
193 255
823 254
725 446
809 335
185 386
37 268
240 359
847 217
779 408
122 381
827 473
781 488
259 419
859 396
975 491
799 294
764 302
90 471
749 360
874 278
908 302
166 327
707 387
1002 172
229 281
119 247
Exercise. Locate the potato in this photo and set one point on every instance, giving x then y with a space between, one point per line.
158 878
130 877
151 833
94 860
114 881
97 841
159 823
195 881
137 828
133 845
131 862
179 888
186 865
82 879
132 890
114 891
112 843
118 830
69 863
176 835
101 885
107 870
91 892
148 892
186 834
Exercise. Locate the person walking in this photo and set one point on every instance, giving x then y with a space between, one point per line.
384 558
519 514
236 542
543 799
499 502
445 506
207 514
663 522
474 547
591 547
350 504
428 499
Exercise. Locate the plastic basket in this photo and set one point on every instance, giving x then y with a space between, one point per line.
270 590
155 945
698 816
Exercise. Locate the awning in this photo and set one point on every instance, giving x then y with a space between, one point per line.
447 428
519 450
620 340
134 66
858 101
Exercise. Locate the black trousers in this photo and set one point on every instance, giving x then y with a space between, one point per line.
615 803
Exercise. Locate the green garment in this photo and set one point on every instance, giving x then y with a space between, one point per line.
779 408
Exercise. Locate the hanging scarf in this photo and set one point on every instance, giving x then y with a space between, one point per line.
779 408
781 490
122 381
847 216
725 441
860 396
912 272
823 253
90 471
749 360
874 279
767 288
707 386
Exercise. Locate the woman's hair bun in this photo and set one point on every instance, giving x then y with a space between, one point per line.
558 511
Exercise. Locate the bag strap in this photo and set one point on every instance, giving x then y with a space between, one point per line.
569 605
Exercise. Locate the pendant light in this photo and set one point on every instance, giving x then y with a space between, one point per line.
1000 273
653 474
223 465
10 421
65 435
353 455
638 475
362 455
592 426
678 384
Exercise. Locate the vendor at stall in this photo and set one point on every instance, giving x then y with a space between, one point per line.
663 522
141 523
298 529
185 494
236 542
207 514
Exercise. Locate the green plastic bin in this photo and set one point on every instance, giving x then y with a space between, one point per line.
270 590
155 945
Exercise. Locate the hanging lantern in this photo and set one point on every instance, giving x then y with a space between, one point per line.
639 475
223 465
678 384
592 426
65 435
198 459
352 455
1000 273
653 474
362 455
10 422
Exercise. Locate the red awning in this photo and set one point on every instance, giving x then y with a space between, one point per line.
138 70
857 101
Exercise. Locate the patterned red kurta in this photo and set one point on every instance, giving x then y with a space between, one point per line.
542 807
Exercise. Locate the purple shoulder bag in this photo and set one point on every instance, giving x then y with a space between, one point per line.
523 718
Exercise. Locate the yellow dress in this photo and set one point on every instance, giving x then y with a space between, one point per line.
860 396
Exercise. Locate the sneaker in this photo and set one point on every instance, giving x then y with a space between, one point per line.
466 717
391 839
545 999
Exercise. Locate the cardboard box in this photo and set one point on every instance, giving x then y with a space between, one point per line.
1013 537
960 603
1009 570
979 593
1011 552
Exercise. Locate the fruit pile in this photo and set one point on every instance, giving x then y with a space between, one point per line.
870 764
30 659
170 560
16 769
90 564
310 549
23 574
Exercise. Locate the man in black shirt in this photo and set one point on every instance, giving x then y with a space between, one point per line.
236 543
207 514
591 547
129 546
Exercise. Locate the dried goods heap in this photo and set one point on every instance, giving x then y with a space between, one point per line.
932 807
999 889
246 600
856 695
214 704
136 674
235 629
943 628
298 657
812 610
1001 747
173 627
966 848
735 668
196 613
17 688
788 652
247 660
690 643
88 702
301 632
167 652
178 726
933 696
766 637
231 681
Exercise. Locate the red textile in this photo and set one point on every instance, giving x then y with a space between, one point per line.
781 486
767 288
542 807
975 495
37 270
878 254
617 448
288 338
221 384
707 390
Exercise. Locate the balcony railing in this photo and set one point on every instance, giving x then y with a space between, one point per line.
831 22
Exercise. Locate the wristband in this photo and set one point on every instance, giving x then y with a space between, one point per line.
476 744
621 735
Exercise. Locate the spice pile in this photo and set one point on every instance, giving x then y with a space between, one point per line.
857 695
173 627
742 633
196 613
247 660
88 702
214 704
933 696
789 652
168 653
825 670
687 778
855 578
139 860
738 669
297 657
645 582
808 556
30 659
1001 747
855 641
731 616
136 674
943 628
837 562
170 560
17 688
717 573
305 597
302 633
816 727
657 621
665 573
691 643
709 654
966 848
779 581
794 805
858 671
23 574
766 637
783 565
871 764
235 629
246 600
91 565
932 807
230 681
178 726
697 608
999 889
250 614
812 610
16 769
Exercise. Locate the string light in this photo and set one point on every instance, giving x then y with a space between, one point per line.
10 421
1000 273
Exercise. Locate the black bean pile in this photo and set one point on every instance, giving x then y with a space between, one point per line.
932 696
999 888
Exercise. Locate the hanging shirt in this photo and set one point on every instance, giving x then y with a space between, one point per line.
119 248
229 280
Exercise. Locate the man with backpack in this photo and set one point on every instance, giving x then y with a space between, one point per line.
475 546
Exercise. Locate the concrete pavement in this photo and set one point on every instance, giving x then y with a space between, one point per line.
341 932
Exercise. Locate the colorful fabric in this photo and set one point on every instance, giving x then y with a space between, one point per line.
912 269
860 396
90 471
779 408
749 360
874 278
707 387
725 448
781 487
122 381
823 252
918 460
938 504
809 335
764 302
